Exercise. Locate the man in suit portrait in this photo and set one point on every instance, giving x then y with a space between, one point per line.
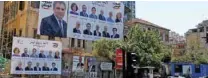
110 18
37 67
115 35
92 15
54 25
25 53
50 54
29 66
105 32
97 32
101 16
87 31
84 11
54 67
19 67
45 67
42 55
76 29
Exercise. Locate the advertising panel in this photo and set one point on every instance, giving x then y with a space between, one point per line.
33 56
92 20
53 18
88 20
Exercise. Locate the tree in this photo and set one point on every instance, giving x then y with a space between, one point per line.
147 45
194 54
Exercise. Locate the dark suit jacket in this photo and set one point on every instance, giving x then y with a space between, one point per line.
18 69
118 20
95 34
76 31
42 56
25 55
106 34
83 14
101 17
49 26
116 36
45 68
28 69
87 32
54 69
37 69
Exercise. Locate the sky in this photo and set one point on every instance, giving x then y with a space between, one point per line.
178 16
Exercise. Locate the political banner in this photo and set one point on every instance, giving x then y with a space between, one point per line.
33 56
88 20
92 20
78 65
53 18
92 66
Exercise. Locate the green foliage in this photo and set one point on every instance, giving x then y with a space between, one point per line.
147 45
2 62
196 55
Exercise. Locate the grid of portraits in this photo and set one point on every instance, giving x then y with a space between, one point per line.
27 53
92 21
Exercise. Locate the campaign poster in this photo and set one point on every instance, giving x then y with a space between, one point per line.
93 20
92 67
34 56
78 64
53 18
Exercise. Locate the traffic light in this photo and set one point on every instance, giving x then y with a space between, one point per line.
131 63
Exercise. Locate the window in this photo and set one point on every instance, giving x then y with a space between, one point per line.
72 42
83 44
166 37
149 29
14 32
34 33
206 37
35 4
194 30
201 29
197 69
178 68
78 42
206 28
21 5
20 32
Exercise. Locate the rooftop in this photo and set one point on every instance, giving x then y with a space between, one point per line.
137 20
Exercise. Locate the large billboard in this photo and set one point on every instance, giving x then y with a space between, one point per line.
88 20
33 56
53 18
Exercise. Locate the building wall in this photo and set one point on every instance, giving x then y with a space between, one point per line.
1 13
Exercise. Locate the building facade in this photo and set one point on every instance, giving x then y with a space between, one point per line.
178 43
146 25
21 20
1 13
130 11
196 37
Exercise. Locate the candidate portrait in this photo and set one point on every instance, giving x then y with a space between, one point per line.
87 31
77 28
93 15
97 31
84 11
118 17
114 35
54 25
105 32
74 9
